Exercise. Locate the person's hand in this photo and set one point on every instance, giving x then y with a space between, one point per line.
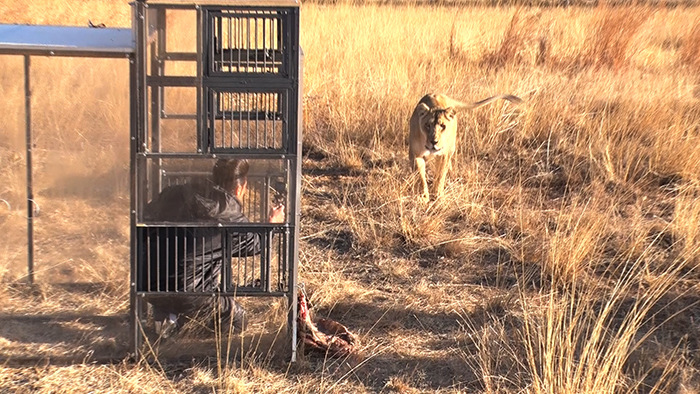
277 214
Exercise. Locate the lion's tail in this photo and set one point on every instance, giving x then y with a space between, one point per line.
509 97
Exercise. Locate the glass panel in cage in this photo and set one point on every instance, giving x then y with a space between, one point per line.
247 41
180 68
249 120
228 191
170 51
172 125
180 27
175 136
179 102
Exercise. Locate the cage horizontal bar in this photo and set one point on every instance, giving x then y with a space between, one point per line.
171 81
67 53
248 12
252 82
270 58
240 227
178 116
180 56
242 292
252 173
234 154
253 115
219 4
253 153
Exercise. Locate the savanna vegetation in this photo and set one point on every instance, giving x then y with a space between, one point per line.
563 257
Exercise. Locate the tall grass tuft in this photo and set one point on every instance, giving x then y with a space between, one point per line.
690 49
580 337
610 39
685 223
513 46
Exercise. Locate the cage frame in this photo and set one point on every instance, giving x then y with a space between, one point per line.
147 113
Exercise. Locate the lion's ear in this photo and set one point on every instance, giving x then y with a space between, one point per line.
422 109
450 112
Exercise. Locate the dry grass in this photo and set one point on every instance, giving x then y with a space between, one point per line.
690 49
562 258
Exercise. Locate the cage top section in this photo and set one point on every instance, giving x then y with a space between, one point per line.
65 40
227 3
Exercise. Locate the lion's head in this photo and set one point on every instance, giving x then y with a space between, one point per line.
434 122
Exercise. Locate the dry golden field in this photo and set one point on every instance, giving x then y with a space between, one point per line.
563 257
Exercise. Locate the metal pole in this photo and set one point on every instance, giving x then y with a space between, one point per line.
203 42
30 192
157 49
137 123
134 131
297 126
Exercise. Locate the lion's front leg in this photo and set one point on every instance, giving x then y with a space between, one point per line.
422 181
443 167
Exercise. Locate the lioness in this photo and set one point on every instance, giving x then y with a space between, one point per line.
434 133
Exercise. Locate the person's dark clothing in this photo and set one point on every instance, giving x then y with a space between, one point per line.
190 259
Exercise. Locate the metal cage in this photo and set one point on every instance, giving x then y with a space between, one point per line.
231 92
249 40
209 79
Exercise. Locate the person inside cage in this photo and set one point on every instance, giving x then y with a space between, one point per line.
190 259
